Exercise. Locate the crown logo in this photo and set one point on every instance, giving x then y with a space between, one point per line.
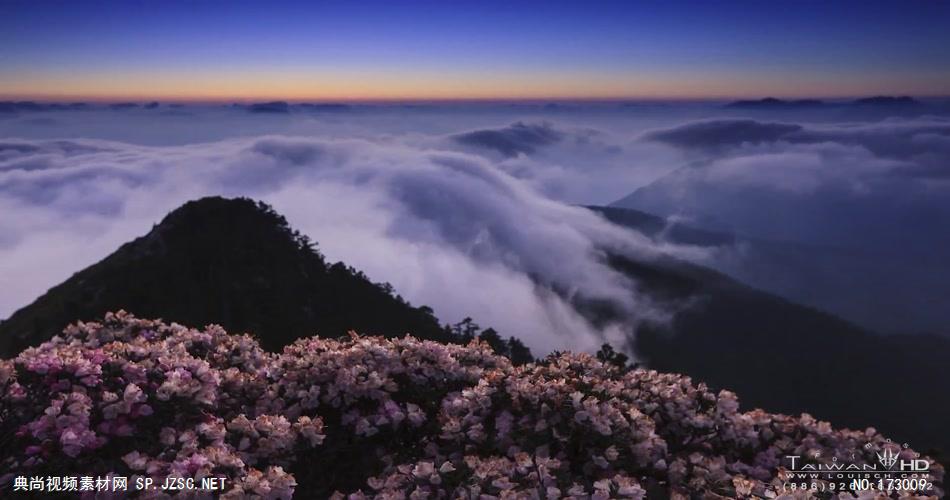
888 458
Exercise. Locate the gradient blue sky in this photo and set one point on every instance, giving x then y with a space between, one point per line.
216 50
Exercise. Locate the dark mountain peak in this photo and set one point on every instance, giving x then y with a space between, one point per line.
326 106
233 262
217 217
269 107
767 101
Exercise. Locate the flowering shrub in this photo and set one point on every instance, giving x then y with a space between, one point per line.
135 398
385 418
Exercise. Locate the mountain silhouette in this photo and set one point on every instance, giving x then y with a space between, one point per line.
867 106
232 262
773 103
887 100
269 107
785 357
31 106
884 292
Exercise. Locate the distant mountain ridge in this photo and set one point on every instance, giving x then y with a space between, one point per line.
773 103
783 356
32 106
778 104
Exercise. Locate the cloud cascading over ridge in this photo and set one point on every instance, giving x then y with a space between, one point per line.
483 226
875 183
855 215
447 229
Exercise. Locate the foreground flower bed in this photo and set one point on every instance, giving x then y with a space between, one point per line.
388 418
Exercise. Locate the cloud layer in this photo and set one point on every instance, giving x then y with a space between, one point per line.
880 184
469 209
863 209
447 229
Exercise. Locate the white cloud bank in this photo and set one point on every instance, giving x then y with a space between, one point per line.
858 213
469 210
448 229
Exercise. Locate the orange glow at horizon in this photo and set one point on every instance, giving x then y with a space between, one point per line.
422 86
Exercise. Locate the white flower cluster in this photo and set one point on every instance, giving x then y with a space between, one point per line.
386 418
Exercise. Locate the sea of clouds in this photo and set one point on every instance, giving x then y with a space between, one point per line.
851 217
473 209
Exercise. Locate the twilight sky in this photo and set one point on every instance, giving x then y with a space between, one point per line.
211 51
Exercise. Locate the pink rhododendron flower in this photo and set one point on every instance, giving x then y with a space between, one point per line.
367 417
